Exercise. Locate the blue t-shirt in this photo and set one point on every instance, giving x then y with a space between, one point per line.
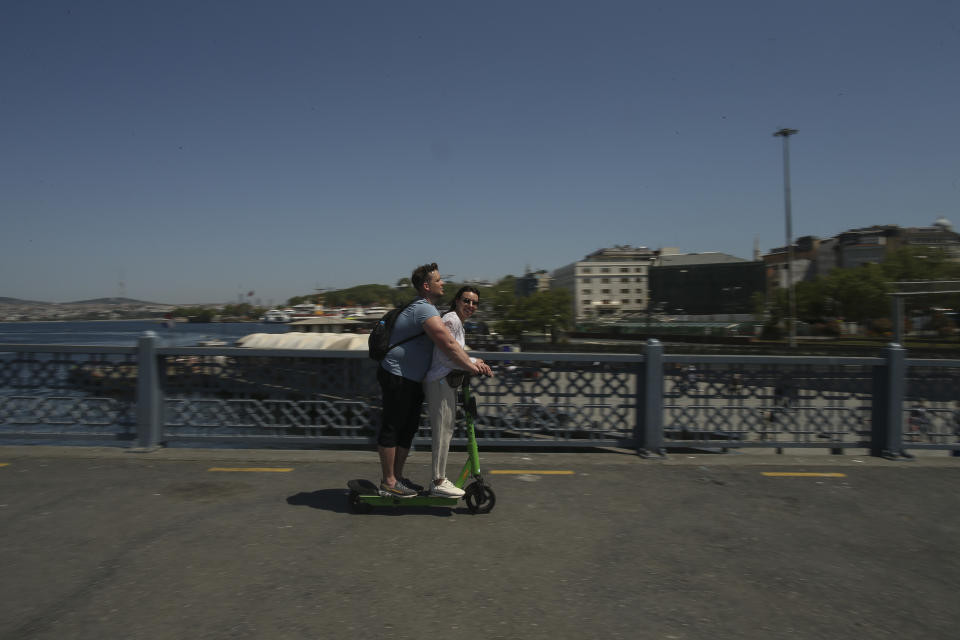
412 358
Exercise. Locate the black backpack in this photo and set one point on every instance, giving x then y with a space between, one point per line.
378 344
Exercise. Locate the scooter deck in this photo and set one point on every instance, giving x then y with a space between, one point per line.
370 493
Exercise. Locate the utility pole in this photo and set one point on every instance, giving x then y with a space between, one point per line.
791 290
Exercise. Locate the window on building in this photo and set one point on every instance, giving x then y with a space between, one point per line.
624 269
624 279
605 270
585 270
586 280
604 280
625 301
586 292
624 290
605 291
639 301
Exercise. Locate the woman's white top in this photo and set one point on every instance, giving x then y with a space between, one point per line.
442 365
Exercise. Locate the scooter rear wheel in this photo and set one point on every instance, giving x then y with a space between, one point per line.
357 505
480 498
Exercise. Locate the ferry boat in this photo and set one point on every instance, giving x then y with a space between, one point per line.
274 316
375 311
304 310
211 341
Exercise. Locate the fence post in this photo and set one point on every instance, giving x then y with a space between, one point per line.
648 430
149 395
889 388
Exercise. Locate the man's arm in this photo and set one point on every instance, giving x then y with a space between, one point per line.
442 337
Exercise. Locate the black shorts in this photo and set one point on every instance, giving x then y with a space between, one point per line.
402 402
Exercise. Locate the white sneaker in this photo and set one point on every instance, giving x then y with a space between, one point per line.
446 489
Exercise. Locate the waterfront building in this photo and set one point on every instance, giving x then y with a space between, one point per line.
938 236
874 244
704 283
826 258
532 282
328 324
814 257
861 246
608 283
806 258
306 310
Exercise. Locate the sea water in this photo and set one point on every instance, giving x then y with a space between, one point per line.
125 333
118 333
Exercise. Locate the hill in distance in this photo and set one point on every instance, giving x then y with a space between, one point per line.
101 301
110 301
4 300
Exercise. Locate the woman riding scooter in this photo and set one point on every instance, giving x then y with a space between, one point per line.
441 394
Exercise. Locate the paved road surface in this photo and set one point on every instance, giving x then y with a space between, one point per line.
105 543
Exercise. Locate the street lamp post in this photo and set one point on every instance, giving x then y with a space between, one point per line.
791 291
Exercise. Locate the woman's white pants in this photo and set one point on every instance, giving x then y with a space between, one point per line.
442 409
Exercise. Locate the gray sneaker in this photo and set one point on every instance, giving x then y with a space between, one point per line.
399 490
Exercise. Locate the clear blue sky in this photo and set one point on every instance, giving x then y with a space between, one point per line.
199 149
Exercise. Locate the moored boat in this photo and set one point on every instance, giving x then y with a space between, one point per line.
274 316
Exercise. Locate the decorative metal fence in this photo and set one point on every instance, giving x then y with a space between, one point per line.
650 402
68 392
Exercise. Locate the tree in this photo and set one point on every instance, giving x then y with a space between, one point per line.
779 304
499 305
860 293
196 314
814 303
758 305
366 295
547 311
913 264
910 264
243 310
512 315
309 298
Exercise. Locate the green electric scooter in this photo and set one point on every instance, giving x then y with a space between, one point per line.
479 496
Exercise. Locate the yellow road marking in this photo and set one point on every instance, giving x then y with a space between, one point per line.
4 464
252 469
517 472
795 474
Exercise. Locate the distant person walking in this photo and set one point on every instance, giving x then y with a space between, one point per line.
401 376
440 387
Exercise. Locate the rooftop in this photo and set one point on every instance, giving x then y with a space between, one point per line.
708 257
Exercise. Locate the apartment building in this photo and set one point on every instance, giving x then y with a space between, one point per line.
532 282
609 282
814 257
939 235
705 283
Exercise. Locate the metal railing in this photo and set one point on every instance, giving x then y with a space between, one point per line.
651 402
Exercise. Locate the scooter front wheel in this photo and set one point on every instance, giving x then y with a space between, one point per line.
480 498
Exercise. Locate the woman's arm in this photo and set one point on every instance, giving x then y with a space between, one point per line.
444 340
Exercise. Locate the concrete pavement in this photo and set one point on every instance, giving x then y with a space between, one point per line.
108 543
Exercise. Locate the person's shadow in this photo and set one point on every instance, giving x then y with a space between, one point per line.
336 500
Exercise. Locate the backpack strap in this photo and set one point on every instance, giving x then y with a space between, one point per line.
391 347
397 344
